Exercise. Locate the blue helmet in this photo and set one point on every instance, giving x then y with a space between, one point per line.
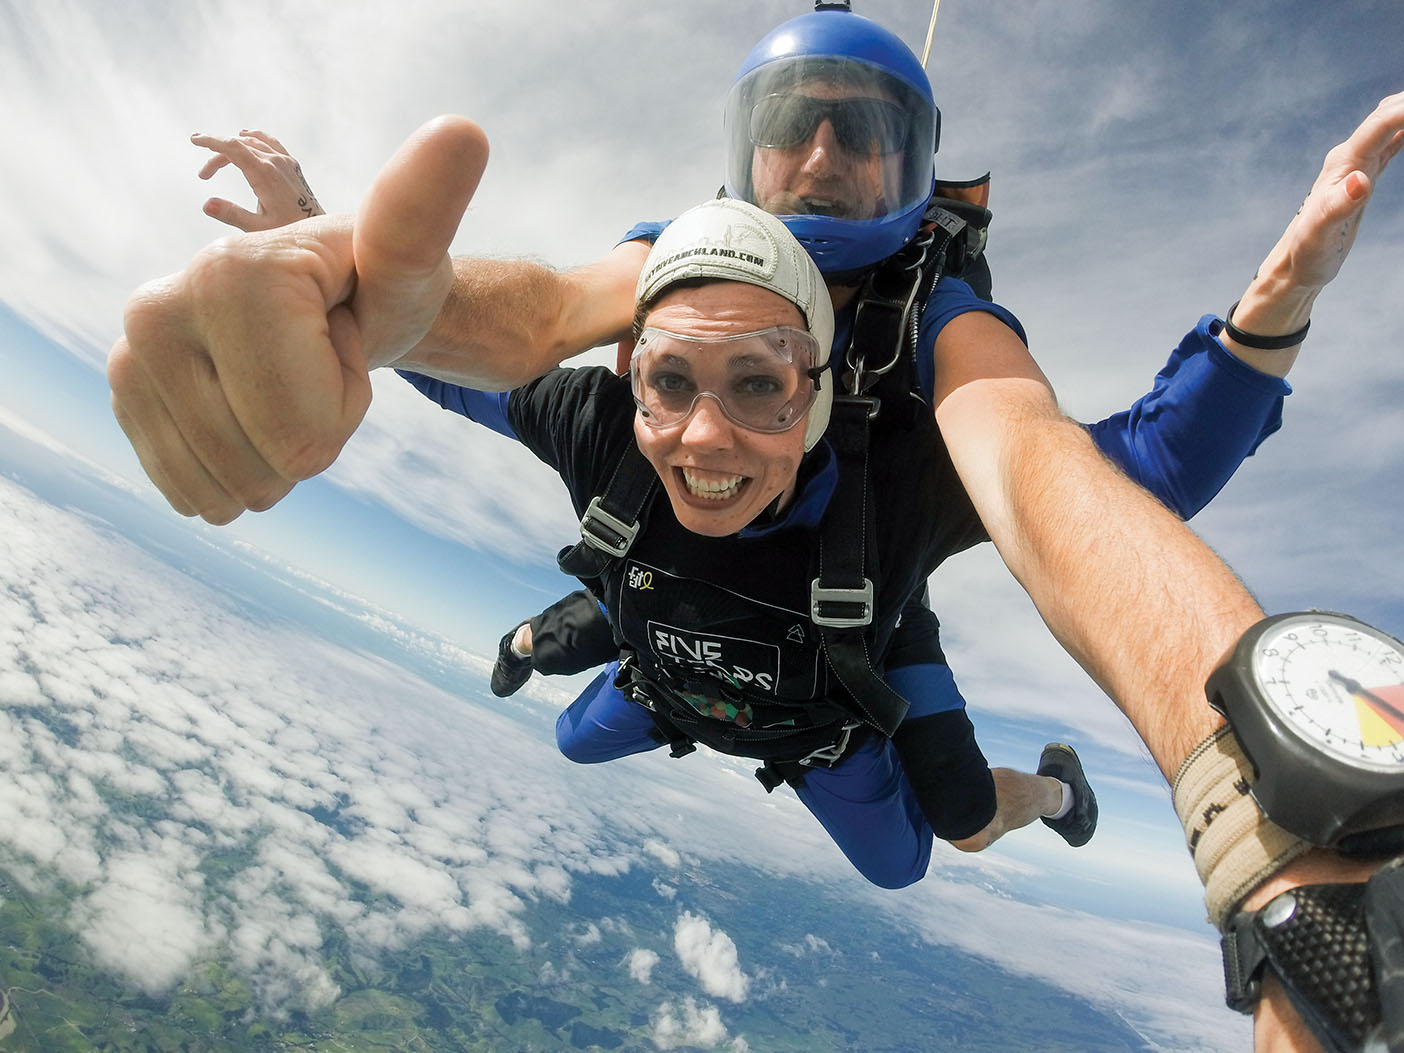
832 126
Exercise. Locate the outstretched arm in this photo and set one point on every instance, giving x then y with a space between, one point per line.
1135 597
1309 255
1217 399
496 310
249 370
1143 605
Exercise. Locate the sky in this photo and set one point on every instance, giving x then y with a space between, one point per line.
1144 158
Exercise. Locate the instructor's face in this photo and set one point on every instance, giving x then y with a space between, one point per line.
718 475
820 175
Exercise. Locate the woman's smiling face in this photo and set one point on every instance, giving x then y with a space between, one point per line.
718 475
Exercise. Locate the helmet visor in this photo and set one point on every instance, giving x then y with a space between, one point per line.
763 381
829 136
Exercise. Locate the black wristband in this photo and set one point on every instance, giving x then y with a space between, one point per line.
1263 343
1318 941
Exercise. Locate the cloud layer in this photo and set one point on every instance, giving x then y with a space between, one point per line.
201 780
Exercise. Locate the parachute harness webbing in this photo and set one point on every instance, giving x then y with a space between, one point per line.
1234 846
613 519
845 535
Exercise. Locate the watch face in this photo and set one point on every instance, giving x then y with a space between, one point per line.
1339 684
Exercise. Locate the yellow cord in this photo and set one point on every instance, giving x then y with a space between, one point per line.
930 32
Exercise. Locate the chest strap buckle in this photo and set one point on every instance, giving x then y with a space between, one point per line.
841 608
608 533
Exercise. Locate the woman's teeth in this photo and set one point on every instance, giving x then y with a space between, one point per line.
712 489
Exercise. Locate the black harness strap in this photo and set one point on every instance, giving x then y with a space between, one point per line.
613 518
630 682
887 300
773 773
841 597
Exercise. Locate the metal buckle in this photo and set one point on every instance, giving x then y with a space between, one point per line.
902 302
828 756
597 526
873 403
860 597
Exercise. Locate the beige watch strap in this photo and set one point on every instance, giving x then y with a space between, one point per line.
1235 847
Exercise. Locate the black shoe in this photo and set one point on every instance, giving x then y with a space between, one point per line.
510 671
1078 826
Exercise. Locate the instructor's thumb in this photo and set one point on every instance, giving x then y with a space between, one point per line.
404 227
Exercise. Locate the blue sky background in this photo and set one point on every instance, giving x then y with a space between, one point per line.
1145 158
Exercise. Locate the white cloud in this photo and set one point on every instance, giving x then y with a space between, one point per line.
145 920
664 890
589 936
709 955
550 975
811 944
662 852
163 726
691 1024
642 962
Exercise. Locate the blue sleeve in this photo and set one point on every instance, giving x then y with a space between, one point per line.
1206 412
950 299
930 688
645 231
488 408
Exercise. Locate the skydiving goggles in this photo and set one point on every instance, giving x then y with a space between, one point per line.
860 125
764 381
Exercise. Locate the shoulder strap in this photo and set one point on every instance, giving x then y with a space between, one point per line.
613 518
885 329
841 598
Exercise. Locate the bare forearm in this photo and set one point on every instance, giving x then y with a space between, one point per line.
1277 302
496 328
1143 605
1310 253
508 321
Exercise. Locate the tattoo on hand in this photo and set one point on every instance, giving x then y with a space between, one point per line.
308 202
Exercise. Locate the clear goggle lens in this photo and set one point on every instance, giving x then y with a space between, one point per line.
763 381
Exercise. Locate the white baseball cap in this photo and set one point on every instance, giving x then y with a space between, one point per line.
729 240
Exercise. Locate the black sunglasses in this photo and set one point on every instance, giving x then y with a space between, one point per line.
860 125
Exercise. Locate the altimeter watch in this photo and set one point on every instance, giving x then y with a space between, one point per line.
1316 700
